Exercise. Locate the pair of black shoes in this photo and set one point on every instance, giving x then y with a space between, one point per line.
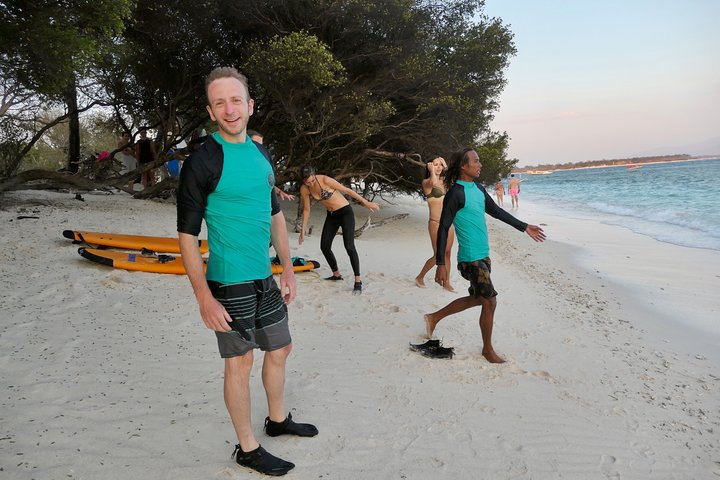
263 461
357 287
433 349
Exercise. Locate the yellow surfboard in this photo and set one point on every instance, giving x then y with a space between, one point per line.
160 263
130 242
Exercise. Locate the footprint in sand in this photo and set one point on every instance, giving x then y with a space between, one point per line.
607 467
544 375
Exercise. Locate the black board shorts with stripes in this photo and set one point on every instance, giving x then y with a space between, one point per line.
259 317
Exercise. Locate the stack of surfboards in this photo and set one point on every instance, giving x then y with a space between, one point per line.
149 254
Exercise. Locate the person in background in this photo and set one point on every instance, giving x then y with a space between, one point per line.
145 152
228 182
514 190
258 137
465 206
434 191
127 157
329 192
500 193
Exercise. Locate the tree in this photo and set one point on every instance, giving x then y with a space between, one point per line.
414 78
47 45
492 151
362 89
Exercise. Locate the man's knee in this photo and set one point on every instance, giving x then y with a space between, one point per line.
239 366
279 355
489 302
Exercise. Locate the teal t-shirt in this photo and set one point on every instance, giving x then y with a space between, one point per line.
238 215
470 226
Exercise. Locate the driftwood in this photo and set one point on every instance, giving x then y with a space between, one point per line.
368 225
52 180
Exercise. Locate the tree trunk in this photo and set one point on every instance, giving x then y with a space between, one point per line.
74 119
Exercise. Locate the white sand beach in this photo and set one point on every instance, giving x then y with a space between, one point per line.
611 341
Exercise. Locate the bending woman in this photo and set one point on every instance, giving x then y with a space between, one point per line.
434 191
328 191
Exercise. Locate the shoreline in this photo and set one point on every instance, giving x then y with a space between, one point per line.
111 374
667 285
549 171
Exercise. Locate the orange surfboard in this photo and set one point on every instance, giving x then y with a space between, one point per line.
130 242
160 263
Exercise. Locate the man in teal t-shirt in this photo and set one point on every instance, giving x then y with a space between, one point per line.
464 206
229 183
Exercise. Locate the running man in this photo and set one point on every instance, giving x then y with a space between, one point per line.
465 206
228 181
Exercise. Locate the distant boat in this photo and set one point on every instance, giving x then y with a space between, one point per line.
633 167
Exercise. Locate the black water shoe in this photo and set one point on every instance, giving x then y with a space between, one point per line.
433 349
357 288
288 427
438 352
422 346
334 278
262 461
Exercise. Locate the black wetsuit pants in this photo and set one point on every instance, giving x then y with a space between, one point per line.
345 218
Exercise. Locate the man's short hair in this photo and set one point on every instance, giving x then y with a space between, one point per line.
225 72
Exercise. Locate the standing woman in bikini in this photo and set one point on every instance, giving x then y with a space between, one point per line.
329 192
434 191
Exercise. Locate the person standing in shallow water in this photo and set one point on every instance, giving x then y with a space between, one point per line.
228 182
434 191
329 192
500 193
514 191
465 206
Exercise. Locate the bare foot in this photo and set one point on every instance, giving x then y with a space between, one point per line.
449 288
492 357
420 282
429 325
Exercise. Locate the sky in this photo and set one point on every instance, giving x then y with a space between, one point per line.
608 79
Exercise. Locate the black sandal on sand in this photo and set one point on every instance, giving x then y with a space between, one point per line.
438 352
422 346
357 288
288 427
262 461
334 278
433 349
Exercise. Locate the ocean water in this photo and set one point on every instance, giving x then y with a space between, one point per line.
677 203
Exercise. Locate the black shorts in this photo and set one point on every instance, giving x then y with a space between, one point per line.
478 273
259 317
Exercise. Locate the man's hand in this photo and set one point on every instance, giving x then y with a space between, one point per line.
442 276
214 314
536 233
288 287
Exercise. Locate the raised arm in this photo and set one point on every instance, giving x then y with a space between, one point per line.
492 209
335 185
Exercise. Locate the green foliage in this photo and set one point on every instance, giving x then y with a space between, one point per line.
495 164
297 61
362 89
45 42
